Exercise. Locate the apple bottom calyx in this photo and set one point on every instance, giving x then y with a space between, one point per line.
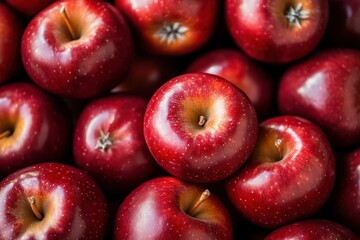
34 208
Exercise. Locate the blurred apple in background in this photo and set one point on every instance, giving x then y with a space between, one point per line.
29 8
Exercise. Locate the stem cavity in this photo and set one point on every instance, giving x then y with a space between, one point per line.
5 134
34 208
67 22
104 141
171 32
296 14
204 195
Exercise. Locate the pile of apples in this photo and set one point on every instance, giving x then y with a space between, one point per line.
180 119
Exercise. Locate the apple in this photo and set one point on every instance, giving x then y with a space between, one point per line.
313 229
29 8
77 49
243 72
171 27
277 31
289 175
109 143
34 127
325 89
51 201
200 127
11 31
169 208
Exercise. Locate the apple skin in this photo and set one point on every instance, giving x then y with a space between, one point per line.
149 18
72 205
11 31
29 8
85 67
159 209
38 125
325 89
194 152
289 175
313 229
126 161
261 29
241 71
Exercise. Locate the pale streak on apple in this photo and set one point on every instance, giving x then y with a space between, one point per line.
313 90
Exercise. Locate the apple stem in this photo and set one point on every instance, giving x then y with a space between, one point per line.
204 195
5 134
202 120
34 208
67 22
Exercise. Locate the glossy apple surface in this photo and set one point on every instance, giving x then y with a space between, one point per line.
29 8
326 89
51 201
85 62
200 127
241 71
171 27
289 175
11 31
163 208
277 31
33 127
109 143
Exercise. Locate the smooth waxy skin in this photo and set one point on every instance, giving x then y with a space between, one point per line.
158 209
38 125
289 175
262 30
244 73
126 161
194 24
200 153
314 229
326 89
84 67
30 7
10 41
72 205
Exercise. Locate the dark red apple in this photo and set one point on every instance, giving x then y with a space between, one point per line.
289 175
29 8
326 90
313 229
200 127
33 127
168 208
51 201
277 31
171 27
109 143
244 73
77 49
10 31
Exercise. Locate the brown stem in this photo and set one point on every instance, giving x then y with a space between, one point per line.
34 208
202 120
204 195
67 22
5 134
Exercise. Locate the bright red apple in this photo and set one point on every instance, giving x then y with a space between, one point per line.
77 49
200 127
171 27
244 73
33 127
289 175
51 201
109 143
29 8
168 208
10 31
326 90
277 31
313 229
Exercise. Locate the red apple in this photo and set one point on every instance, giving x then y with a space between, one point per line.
29 7
277 31
77 49
10 31
313 229
171 27
168 208
289 175
326 90
109 143
33 127
244 73
51 201
200 127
